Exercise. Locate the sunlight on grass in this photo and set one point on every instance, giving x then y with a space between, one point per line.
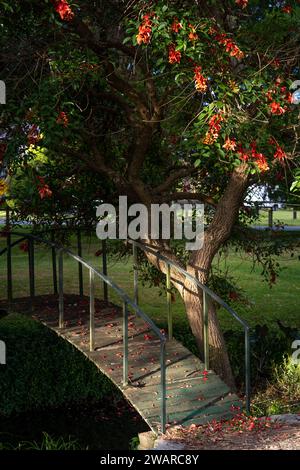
265 304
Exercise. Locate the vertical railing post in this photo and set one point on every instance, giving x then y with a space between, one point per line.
9 266
135 274
31 270
163 387
205 330
104 269
54 269
125 344
270 217
80 273
247 370
169 301
61 288
92 310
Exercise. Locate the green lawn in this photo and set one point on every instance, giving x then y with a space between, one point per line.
266 305
280 216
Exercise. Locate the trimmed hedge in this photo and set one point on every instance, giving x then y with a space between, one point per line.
43 370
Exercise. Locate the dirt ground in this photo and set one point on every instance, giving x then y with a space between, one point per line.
277 437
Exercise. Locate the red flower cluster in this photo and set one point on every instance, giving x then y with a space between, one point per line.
242 3
145 30
64 10
287 9
176 26
230 46
174 55
281 93
215 124
258 157
200 80
193 36
63 119
230 144
277 109
43 188
280 153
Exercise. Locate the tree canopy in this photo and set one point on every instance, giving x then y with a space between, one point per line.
159 101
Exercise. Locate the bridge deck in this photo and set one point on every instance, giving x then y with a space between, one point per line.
192 397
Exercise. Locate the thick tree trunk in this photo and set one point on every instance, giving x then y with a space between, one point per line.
200 265
218 357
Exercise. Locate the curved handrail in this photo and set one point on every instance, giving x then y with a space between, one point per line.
206 292
203 287
127 301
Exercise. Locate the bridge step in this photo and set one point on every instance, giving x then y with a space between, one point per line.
192 397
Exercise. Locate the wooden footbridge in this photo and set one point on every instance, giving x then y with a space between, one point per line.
162 379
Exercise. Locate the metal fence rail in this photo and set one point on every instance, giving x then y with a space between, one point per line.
58 287
93 272
207 293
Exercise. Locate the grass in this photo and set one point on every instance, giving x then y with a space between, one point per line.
265 306
281 216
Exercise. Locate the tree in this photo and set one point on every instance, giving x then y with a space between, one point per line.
167 100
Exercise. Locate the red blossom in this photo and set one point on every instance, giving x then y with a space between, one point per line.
176 26
230 144
200 80
193 36
242 3
62 119
43 188
147 337
64 10
214 129
280 153
145 30
230 46
276 108
287 9
174 55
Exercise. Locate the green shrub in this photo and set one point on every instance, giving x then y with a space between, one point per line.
267 347
43 370
282 395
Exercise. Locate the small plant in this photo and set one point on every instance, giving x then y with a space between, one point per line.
134 443
50 443
283 392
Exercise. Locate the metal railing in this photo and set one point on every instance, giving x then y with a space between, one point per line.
107 282
207 294
93 272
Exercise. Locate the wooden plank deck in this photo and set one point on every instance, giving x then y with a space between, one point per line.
192 397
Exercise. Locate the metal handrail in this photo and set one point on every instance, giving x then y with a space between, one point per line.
127 301
207 292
